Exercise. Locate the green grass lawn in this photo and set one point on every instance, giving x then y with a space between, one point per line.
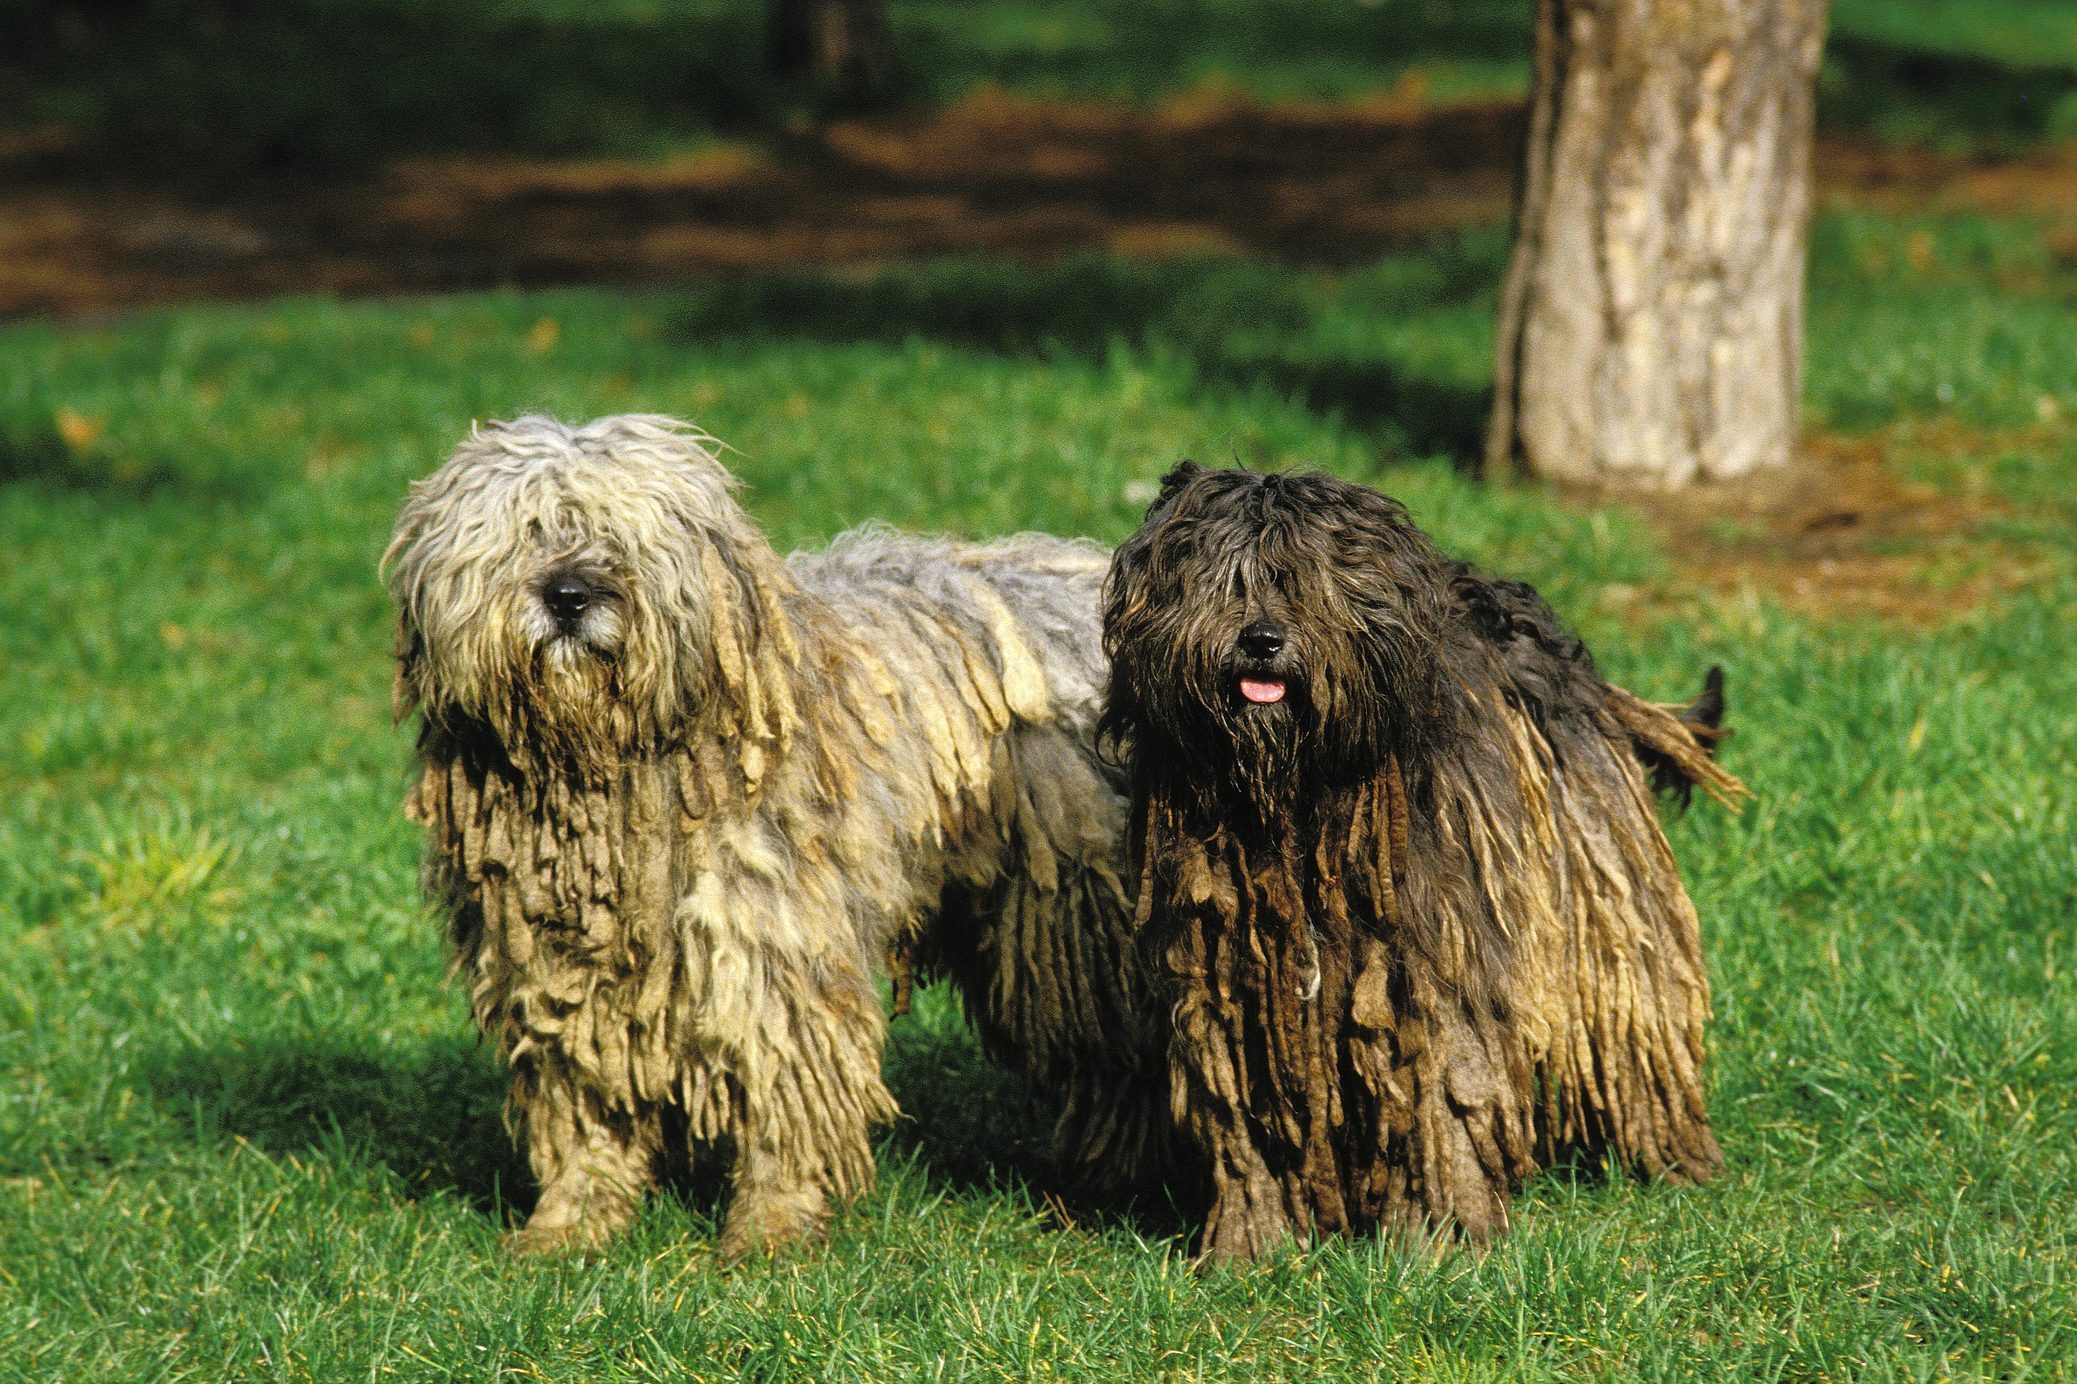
245 1131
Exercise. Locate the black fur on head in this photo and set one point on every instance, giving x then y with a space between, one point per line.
1265 630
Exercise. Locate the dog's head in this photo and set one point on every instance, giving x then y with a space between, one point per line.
1271 626
582 592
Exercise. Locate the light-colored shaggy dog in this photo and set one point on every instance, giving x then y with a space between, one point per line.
684 798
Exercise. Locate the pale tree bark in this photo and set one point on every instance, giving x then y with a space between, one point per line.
842 46
1651 321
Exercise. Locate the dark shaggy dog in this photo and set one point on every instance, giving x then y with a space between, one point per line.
1401 873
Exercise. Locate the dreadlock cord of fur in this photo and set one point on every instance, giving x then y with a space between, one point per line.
1403 883
683 799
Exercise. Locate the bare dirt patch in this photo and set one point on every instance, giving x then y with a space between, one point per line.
2042 182
992 174
1850 533
82 232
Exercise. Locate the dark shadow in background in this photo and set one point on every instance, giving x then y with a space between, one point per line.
311 84
327 83
1914 95
1140 48
33 450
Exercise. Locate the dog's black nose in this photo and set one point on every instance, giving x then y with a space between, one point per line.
566 597
1262 640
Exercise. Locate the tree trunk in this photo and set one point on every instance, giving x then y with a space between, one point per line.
842 46
1651 321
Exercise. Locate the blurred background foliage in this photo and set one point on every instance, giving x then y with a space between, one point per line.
340 82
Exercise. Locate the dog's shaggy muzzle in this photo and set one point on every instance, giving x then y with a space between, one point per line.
569 594
1402 881
1261 677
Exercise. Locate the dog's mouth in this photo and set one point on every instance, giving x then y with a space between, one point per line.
571 635
1262 689
565 642
1261 660
1261 682
568 640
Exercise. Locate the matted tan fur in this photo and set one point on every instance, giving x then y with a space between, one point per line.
683 798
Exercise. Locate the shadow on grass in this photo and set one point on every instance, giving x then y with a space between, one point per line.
1235 325
970 1128
340 82
39 454
1146 47
316 83
1424 416
432 1117
298 83
964 1121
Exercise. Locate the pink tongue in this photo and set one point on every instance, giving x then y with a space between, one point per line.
1262 691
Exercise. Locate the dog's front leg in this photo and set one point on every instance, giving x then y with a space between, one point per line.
812 1093
593 1163
779 1202
1248 1215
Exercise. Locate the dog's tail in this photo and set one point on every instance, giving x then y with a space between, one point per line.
1678 743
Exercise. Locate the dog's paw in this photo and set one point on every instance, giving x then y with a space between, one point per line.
771 1225
532 1241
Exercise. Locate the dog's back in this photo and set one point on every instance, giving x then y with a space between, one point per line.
1554 675
1040 943
1609 875
1031 599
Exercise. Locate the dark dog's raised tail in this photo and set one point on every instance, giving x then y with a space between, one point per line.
1678 743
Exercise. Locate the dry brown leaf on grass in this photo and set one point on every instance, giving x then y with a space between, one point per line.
78 431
